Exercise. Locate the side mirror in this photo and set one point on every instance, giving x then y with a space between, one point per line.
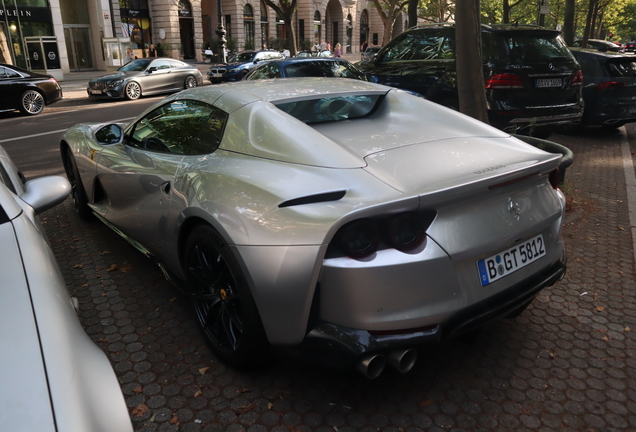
110 134
256 61
152 69
45 192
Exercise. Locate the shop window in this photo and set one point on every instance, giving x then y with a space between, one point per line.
248 26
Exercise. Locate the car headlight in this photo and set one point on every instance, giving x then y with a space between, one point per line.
233 70
115 83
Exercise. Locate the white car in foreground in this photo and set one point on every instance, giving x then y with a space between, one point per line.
53 378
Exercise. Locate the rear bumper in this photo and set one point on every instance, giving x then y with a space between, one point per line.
524 122
333 345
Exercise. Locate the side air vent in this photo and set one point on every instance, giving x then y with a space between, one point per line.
312 199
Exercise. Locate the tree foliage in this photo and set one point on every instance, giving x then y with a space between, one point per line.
606 16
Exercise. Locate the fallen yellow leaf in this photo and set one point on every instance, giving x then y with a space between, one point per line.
203 370
140 410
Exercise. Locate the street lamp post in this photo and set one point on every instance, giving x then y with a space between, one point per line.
221 32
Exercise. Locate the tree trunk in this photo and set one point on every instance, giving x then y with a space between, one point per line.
291 37
413 13
588 22
506 11
568 22
470 65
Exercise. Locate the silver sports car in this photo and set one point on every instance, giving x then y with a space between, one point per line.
53 377
144 77
337 218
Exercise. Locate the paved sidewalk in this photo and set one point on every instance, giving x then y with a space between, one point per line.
567 364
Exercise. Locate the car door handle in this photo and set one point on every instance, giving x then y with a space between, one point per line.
165 188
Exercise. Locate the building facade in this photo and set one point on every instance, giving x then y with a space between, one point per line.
74 31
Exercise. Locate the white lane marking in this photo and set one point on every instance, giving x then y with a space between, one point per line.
630 182
53 132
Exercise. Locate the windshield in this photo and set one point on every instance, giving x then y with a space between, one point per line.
243 57
327 69
332 108
530 48
138 65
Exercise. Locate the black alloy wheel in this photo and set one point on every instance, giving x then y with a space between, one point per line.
77 189
224 307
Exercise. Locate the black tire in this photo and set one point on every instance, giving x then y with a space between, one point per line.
224 307
612 126
190 82
132 91
542 132
78 193
31 102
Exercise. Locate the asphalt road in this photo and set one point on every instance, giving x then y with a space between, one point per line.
33 142
567 364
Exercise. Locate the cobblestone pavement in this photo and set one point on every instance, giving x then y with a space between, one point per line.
568 363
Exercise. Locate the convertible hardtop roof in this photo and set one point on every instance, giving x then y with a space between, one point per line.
276 90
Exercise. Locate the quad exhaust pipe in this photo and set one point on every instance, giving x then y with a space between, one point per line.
402 360
372 365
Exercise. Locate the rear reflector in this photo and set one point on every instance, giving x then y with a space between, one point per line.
609 85
504 81
554 178
425 329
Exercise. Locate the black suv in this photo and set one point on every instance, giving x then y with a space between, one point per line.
532 81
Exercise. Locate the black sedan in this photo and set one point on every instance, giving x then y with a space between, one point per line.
26 91
306 67
143 77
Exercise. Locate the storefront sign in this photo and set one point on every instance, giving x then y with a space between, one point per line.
26 13
134 13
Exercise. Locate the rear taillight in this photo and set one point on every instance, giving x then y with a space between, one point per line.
363 237
504 81
605 85
578 78
359 239
405 231
554 178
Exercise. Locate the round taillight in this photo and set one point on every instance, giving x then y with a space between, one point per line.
405 231
359 239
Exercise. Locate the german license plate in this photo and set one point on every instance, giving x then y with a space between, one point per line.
96 92
549 82
509 261
216 75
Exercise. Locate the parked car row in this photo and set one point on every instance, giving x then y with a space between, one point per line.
533 82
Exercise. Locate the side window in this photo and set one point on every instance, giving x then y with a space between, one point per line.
402 47
8 73
175 64
171 128
432 46
211 133
264 72
161 64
